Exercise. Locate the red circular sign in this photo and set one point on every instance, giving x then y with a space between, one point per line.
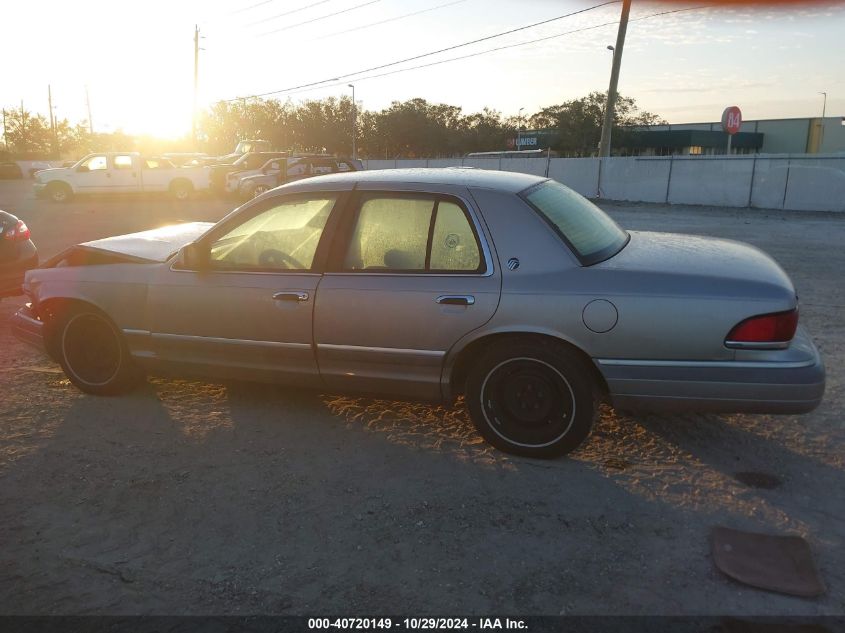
732 119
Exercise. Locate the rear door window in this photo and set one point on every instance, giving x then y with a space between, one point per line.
412 234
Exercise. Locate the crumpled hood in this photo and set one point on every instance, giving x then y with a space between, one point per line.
155 245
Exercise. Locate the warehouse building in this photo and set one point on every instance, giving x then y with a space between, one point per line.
765 136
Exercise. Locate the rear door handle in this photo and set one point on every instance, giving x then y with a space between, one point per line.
456 300
291 296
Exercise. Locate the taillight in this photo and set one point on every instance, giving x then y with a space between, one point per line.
18 232
766 328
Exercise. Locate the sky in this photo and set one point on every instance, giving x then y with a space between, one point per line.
136 58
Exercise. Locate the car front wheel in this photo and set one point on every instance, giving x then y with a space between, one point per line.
532 398
59 192
93 354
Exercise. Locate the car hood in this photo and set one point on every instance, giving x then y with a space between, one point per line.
54 171
156 245
699 265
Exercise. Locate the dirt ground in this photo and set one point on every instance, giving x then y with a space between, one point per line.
197 498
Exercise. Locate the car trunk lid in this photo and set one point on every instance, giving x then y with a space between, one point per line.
718 266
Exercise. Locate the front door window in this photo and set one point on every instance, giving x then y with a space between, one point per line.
284 237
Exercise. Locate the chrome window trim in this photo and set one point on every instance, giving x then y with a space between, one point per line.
189 338
476 225
381 350
706 363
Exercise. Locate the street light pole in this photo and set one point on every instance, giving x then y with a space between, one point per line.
519 130
610 106
196 84
354 123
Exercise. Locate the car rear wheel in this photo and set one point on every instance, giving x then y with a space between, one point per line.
531 398
59 192
93 354
181 190
259 189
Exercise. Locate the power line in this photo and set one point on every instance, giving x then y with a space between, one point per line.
252 6
281 15
322 17
394 19
507 46
442 50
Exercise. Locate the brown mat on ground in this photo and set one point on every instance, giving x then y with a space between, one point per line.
777 563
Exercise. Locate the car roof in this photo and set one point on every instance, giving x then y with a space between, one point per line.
462 176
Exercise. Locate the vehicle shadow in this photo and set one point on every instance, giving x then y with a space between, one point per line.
193 497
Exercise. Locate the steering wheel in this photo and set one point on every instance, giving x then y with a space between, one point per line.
273 258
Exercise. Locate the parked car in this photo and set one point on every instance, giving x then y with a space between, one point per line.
17 254
10 171
248 161
120 172
250 185
508 288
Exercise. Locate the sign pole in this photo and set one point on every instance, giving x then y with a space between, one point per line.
730 136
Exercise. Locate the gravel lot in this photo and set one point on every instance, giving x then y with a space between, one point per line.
196 498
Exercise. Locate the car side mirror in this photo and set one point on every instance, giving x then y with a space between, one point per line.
82 168
194 256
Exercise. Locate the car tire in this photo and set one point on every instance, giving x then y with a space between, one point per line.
181 190
93 352
259 189
532 398
59 192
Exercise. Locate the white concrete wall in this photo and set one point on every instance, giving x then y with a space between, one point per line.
798 182
581 174
635 179
710 181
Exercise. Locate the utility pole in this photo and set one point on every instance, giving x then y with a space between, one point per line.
53 123
23 129
354 123
821 126
5 138
610 106
88 104
196 83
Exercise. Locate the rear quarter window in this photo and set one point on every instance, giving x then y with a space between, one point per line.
590 232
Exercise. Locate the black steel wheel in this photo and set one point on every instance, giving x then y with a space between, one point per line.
533 399
93 354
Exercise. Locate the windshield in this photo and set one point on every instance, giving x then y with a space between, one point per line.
587 229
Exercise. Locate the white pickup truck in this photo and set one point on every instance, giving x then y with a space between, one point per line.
120 172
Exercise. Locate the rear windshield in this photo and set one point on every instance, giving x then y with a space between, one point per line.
587 229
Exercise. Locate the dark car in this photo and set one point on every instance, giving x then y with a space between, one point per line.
17 254
250 160
10 171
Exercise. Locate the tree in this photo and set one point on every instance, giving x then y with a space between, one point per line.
578 122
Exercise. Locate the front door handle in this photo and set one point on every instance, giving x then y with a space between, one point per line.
456 300
291 296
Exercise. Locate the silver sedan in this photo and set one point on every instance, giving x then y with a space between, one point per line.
507 288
